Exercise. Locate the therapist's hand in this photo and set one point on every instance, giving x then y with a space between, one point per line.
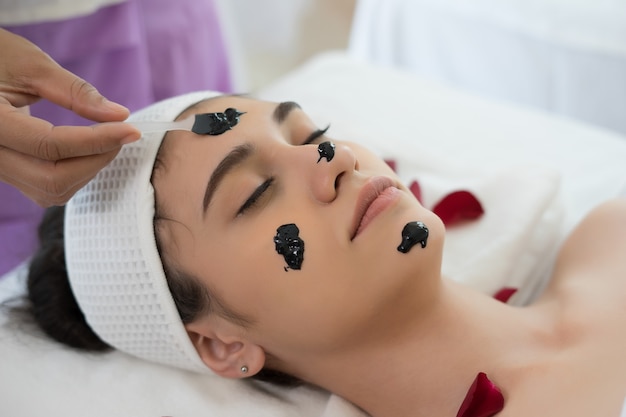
50 163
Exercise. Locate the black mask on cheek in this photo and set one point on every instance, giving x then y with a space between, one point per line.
216 123
289 244
413 233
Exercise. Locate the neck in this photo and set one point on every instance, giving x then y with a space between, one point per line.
425 366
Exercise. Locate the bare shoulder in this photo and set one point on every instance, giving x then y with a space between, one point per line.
596 249
589 287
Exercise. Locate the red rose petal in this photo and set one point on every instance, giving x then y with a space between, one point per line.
483 399
391 163
458 206
504 294
416 190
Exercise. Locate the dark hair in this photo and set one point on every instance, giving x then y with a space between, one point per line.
53 306
51 301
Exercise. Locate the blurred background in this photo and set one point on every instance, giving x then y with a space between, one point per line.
271 37
566 57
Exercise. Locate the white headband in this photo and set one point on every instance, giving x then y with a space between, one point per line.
113 265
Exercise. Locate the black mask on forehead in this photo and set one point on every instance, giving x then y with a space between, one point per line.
216 123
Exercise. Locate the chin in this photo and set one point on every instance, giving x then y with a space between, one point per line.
434 243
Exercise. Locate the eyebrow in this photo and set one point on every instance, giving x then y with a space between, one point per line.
281 112
239 154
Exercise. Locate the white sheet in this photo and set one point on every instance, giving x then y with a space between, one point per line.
447 139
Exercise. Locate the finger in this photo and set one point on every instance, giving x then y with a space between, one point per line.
39 138
41 199
56 189
53 82
35 194
32 74
50 183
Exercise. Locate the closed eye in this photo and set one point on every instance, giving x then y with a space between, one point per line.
254 198
316 135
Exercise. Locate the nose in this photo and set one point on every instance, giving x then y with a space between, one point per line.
325 167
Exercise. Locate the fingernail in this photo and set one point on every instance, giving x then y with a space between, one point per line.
111 105
130 138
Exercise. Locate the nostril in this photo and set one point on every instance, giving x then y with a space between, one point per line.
337 180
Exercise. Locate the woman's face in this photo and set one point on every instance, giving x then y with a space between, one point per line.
221 226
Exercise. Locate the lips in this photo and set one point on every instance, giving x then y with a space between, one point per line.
375 196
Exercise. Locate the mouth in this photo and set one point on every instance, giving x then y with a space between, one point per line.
377 194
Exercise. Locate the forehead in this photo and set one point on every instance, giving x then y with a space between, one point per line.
261 120
216 104
186 160
174 139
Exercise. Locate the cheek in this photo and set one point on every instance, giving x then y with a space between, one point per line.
289 244
267 282
245 269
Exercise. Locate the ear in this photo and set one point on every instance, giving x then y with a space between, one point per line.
222 348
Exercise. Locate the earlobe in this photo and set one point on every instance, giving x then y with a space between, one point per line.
228 357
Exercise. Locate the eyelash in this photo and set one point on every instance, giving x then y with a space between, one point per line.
255 196
261 189
316 135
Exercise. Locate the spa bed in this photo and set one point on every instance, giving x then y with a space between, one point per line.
535 175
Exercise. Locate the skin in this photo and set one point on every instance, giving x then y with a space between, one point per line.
378 327
50 163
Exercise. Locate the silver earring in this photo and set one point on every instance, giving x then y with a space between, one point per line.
244 369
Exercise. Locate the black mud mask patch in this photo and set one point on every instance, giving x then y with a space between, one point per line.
216 123
289 244
326 150
412 234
